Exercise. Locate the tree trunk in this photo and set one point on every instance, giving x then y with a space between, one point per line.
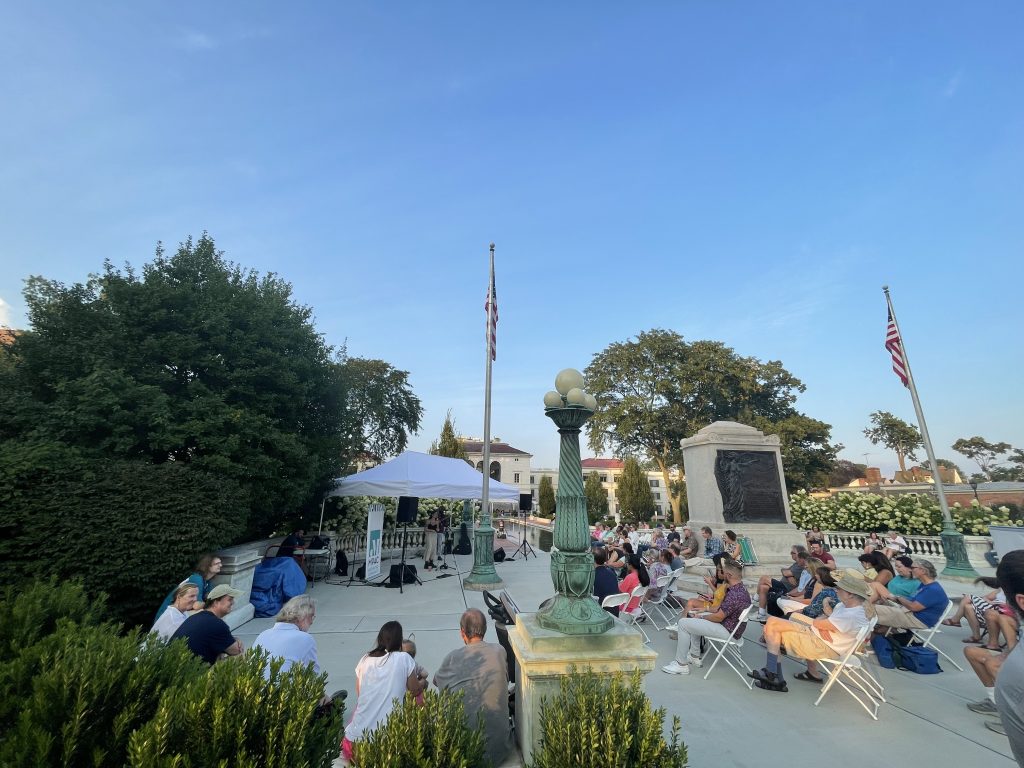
673 500
902 460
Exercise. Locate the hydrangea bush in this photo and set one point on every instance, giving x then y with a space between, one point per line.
907 513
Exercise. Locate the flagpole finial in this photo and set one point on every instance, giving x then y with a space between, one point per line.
492 247
885 288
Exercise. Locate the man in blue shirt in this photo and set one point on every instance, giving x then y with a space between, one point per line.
206 633
921 611
605 581
712 544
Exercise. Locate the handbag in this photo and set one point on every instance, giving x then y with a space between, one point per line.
917 658
888 652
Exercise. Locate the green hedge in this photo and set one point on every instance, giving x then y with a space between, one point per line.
602 721
130 529
435 734
907 513
83 695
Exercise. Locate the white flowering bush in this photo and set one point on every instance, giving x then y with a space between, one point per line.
907 513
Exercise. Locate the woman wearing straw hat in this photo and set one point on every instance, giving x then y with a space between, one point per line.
828 637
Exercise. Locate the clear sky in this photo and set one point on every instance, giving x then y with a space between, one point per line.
745 172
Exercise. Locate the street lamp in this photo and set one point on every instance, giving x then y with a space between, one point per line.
573 610
974 487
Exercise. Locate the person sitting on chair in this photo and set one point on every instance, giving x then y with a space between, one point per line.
291 542
921 611
719 625
829 637
689 546
605 581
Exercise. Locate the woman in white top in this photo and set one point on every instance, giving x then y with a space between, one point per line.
183 600
382 676
895 545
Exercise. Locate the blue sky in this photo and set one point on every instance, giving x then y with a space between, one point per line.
746 172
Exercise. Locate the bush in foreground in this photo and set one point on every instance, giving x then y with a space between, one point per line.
601 721
433 735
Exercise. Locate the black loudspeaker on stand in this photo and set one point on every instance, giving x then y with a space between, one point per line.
408 507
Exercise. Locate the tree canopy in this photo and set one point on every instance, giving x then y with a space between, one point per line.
896 435
657 389
633 493
986 455
448 444
597 498
198 362
844 472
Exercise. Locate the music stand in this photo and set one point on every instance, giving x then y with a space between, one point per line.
525 547
444 544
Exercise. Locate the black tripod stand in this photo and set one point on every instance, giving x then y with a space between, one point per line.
525 548
401 568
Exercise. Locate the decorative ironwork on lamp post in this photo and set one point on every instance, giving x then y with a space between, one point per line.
573 610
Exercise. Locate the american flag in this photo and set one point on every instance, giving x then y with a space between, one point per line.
894 344
492 325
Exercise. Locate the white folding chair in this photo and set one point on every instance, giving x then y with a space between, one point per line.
664 583
619 600
926 636
863 686
729 650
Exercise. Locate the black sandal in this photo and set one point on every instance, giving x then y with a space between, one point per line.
807 677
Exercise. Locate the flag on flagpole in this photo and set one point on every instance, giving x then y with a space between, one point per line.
894 344
492 315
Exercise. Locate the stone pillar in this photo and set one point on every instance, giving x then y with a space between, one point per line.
483 576
734 480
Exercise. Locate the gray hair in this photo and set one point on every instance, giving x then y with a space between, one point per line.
927 565
297 609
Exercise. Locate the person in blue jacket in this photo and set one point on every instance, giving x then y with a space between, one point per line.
209 565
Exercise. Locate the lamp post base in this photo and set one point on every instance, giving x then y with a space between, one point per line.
953 547
483 576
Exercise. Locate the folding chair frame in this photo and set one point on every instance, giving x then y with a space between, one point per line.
730 651
851 669
619 600
926 636
665 584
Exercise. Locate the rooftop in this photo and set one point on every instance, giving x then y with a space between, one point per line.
477 446
723 723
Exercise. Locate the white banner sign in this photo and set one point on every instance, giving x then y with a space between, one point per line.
374 530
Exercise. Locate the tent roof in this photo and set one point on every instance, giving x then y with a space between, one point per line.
425 476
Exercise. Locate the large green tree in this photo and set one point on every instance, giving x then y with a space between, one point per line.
546 500
843 472
633 493
983 453
657 389
896 435
195 361
448 444
597 498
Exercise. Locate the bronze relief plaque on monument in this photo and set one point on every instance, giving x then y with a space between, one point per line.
749 482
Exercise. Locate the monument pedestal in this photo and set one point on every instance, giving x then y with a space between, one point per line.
734 481
544 656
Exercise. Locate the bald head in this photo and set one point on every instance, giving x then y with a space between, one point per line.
473 624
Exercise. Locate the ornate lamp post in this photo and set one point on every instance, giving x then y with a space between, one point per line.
974 487
572 611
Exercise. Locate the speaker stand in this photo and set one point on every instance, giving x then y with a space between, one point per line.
401 567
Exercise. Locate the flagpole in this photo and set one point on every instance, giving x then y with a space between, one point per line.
953 547
483 575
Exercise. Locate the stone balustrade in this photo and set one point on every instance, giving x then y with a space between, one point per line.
921 546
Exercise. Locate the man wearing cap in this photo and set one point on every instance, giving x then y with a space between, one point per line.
206 633
922 610
828 637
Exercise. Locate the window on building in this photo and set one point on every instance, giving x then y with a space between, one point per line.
657 496
516 476
654 483
604 478
533 495
532 481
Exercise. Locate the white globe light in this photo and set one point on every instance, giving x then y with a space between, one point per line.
591 402
576 396
568 379
552 400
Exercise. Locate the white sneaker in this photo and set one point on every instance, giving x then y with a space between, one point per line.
675 668
762 615
695 661
672 627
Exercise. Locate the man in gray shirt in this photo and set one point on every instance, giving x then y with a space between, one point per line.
1010 682
689 546
480 670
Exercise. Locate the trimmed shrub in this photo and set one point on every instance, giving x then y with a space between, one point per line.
31 613
233 716
82 691
130 529
601 721
435 734
907 513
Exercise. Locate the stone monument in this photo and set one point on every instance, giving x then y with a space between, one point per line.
734 481
570 629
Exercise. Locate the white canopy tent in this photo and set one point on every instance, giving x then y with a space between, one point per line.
424 476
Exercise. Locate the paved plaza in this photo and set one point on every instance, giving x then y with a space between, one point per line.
924 721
